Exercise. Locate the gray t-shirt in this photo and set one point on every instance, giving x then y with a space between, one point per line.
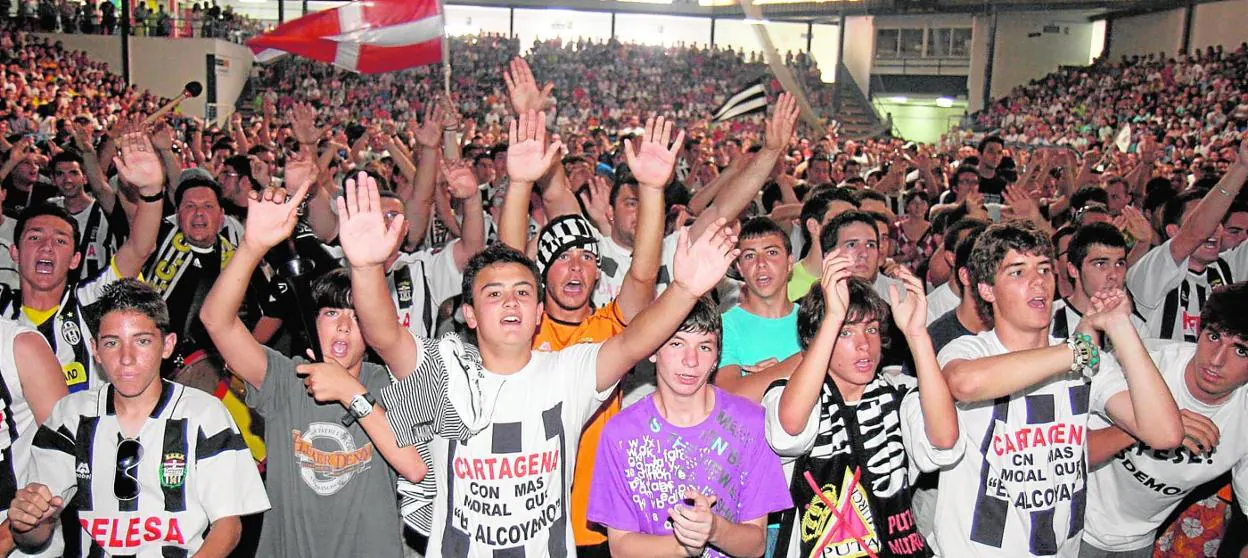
332 492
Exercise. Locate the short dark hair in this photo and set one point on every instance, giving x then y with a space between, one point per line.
816 207
864 195
1091 234
623 177
1172 211
983 143
497 254
704 318
830 235
129 295
332 290
950 240
864 306
762 226
962 251
962 169
66 156
1226 312
990 250
1082 196
39 210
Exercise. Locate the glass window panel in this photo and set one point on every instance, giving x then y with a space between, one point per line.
912 43
886 43
961 43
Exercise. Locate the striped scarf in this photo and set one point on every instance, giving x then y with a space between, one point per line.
165 271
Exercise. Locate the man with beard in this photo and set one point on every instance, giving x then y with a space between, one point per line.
46 254
568 261
21 179
1172 281
191 254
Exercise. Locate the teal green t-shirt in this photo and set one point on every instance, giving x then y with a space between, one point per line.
750 339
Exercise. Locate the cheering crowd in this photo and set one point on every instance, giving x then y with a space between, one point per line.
575 319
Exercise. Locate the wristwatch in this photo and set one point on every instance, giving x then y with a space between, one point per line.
361 405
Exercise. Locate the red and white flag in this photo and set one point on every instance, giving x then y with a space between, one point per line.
366 36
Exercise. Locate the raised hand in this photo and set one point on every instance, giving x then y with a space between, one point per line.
303 124
780 125
1020 203
694 525
272 215
837 269
429 134
700 265
522 88
300 168
461 183
1134 223
597 198
139 164
162 136
82 138
910 312
528 156
653 161
33 506
329 382
365 237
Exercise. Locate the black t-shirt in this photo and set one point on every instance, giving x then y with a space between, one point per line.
16 201
992 188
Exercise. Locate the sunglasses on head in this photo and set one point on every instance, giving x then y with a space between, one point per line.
126 481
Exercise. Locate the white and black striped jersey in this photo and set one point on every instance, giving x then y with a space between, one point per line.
17 421
100 234
1066 319
194 469
8 268
66 331
1170 296
419 283
1020 487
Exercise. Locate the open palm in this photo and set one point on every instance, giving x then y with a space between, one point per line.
139 164
271 217
522 88
365 238
528 156
699 265
652 164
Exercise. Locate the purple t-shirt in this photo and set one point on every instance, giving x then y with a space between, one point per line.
645 463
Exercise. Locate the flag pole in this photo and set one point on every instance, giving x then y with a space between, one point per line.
446 64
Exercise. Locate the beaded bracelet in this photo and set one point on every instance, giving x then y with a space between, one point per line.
1087 356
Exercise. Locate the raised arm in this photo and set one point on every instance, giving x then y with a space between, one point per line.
104 193
368 242
140 166
698 268
940 417
462 186
802 392
734 196
1158 424
651 164
271 219
419 207
1204 220
528 157
987 378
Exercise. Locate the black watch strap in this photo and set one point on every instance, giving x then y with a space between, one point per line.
159 196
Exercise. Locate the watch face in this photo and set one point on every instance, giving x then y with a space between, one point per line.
360 406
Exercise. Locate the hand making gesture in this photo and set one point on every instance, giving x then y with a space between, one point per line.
653 161
528 156
363 232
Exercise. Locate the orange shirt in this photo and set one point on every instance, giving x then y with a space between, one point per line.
554 336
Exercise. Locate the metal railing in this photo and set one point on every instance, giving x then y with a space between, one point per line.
156 24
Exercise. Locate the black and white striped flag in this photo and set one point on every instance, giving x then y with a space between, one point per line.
750 99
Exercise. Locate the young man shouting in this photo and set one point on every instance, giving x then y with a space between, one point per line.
505 489
1020 482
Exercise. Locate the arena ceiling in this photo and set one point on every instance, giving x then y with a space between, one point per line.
827 10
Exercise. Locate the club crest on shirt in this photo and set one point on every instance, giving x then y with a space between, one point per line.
71 333
172 470
83 471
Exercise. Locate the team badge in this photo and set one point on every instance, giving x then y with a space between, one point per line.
71 333
172 470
